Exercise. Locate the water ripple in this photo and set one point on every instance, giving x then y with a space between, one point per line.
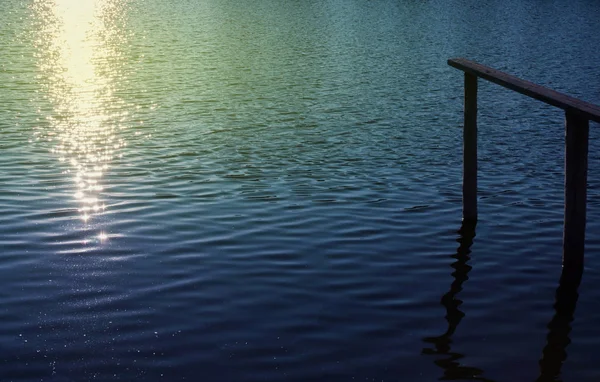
267 191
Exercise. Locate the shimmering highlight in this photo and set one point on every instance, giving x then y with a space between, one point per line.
74 58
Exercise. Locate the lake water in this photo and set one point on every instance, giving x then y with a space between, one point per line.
270 190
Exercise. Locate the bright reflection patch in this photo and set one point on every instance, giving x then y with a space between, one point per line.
77 46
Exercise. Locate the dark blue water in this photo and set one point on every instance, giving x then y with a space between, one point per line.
271 190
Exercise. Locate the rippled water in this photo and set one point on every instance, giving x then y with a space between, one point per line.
270 190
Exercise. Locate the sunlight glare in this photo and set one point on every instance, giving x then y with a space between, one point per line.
75 59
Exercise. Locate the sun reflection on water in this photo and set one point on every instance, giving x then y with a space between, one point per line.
76 58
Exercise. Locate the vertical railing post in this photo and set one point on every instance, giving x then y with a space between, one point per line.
470 149
576 165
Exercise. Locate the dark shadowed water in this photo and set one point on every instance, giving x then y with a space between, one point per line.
270 190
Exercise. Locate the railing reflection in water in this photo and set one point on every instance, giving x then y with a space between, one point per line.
554 353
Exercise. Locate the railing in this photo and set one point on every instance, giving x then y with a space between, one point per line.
577 116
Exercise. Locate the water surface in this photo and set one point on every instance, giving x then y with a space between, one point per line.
271 190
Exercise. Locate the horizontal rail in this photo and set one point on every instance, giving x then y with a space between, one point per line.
584 109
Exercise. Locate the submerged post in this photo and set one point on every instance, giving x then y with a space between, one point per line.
470 149
576 165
